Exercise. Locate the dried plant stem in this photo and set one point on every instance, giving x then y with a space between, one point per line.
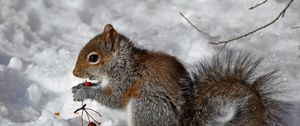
82 118
93 111
84 109
81 113
89 116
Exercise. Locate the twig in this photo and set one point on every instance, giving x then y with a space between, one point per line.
91 116
81 108
82 112
257 5
206 35
84 109
281 14
193 25
93 111
87 115
81 118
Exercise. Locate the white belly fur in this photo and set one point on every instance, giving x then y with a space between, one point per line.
129 113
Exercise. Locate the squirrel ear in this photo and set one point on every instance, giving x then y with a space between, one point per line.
111 37
108 28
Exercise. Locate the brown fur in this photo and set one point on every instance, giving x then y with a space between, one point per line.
157 65
108 91
168 70
131 93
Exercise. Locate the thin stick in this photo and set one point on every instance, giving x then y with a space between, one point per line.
81 118
84 109
93 111
194 25
81 108
257 5
82 113
91 116
88 116
281 14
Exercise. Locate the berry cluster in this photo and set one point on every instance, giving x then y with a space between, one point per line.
84 109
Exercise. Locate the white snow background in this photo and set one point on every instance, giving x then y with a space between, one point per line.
40 40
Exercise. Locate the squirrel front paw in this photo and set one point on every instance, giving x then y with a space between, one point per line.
80 92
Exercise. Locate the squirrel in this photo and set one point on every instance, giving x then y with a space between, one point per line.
156 89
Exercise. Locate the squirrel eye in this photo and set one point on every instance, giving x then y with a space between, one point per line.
93 58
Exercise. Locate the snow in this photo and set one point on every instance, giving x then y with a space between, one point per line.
15 63
34 94
40 40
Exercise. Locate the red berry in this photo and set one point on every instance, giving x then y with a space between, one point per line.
88 84
92 124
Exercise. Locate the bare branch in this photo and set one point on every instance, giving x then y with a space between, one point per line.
193 24
206 35
257 5
281 14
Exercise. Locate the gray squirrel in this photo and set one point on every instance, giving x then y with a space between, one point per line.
157 90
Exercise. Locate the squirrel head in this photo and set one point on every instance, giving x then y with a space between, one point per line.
98 52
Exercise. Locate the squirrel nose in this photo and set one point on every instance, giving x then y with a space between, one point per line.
76 72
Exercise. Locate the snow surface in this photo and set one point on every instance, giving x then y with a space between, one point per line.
40 40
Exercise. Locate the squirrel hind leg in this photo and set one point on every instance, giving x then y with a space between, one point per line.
225 104
153 111
233 76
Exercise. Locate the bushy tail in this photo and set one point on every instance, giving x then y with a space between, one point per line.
230 90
